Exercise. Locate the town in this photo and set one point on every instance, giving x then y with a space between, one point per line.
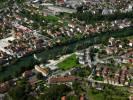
66 50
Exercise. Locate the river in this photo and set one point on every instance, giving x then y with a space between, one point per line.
28 62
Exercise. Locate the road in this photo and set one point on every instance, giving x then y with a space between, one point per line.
104 82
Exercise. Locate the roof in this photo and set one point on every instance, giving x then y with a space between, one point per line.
4 87
82 97
27 73
44 70
63 98
4 43
131 97
62 79
33 80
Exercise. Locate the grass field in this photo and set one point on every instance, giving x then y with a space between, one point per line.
69 62
96 96
109 95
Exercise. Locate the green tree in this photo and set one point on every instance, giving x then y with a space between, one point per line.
55 92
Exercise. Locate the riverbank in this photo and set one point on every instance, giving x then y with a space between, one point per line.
28 62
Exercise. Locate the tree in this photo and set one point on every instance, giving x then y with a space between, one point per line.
55 92
17 93
77 87
80 9
20 91
39 76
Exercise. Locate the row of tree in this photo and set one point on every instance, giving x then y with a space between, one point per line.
23 90
88 17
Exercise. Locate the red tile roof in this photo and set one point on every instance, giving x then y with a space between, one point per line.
81 97
63 98
62 79
4 87
27 73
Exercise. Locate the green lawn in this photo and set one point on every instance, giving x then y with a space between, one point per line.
51 18
98 78
95 96
109 93
69 62
106 95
